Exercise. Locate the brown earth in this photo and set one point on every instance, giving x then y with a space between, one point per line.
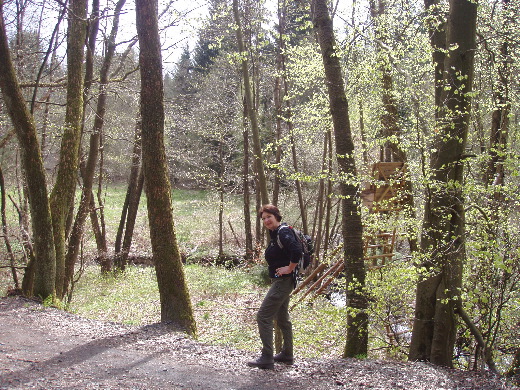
46 348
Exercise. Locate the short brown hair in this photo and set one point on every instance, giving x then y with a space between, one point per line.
271 209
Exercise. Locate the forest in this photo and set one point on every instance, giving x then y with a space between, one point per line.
388 131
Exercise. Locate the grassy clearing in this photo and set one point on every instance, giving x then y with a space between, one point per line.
224 301
196 221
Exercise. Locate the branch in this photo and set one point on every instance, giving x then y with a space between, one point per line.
478 337
7 138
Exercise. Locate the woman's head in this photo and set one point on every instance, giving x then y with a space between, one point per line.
271 209
270 216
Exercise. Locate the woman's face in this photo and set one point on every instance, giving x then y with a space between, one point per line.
270 221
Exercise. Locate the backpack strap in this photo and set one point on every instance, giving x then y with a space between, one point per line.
278 241
280 245
295 235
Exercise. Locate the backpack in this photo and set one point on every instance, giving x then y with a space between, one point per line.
307 245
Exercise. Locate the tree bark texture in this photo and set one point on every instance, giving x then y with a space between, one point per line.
62 195
442 242
44 265
352 229
175 301
278 133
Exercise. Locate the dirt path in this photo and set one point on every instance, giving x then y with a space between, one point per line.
45 348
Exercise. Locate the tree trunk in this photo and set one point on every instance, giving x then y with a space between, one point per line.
437 32
500 116
133 207
287 112
99 234
5 233
427 287
277 99
175 300
245 183
438 291
328 193
352 229
28 253
221 199
45 260
132 198
389 117
258 159
321 202
62 195
88 178
363 135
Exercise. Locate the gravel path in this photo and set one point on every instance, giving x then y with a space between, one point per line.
46 348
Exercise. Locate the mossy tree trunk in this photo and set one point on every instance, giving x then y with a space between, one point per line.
62 195
352 229
43 270
175 301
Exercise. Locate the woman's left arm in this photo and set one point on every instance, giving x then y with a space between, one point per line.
290 242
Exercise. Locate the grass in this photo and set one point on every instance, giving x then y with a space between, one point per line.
196 224
224 302
195 215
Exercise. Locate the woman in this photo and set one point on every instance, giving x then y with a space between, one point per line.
282 263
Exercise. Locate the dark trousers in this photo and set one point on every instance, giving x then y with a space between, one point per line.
276 306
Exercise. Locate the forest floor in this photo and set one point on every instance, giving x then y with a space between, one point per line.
47 348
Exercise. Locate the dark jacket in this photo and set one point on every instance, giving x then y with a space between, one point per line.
277 257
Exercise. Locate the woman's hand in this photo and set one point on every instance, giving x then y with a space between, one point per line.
285 270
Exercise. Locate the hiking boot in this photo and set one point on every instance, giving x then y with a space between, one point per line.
282 357
265 362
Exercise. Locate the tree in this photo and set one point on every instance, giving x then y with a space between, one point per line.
175 301
286 112
44 267
251 109
211 42
90 167
62 195
352 228
438 295
131 205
